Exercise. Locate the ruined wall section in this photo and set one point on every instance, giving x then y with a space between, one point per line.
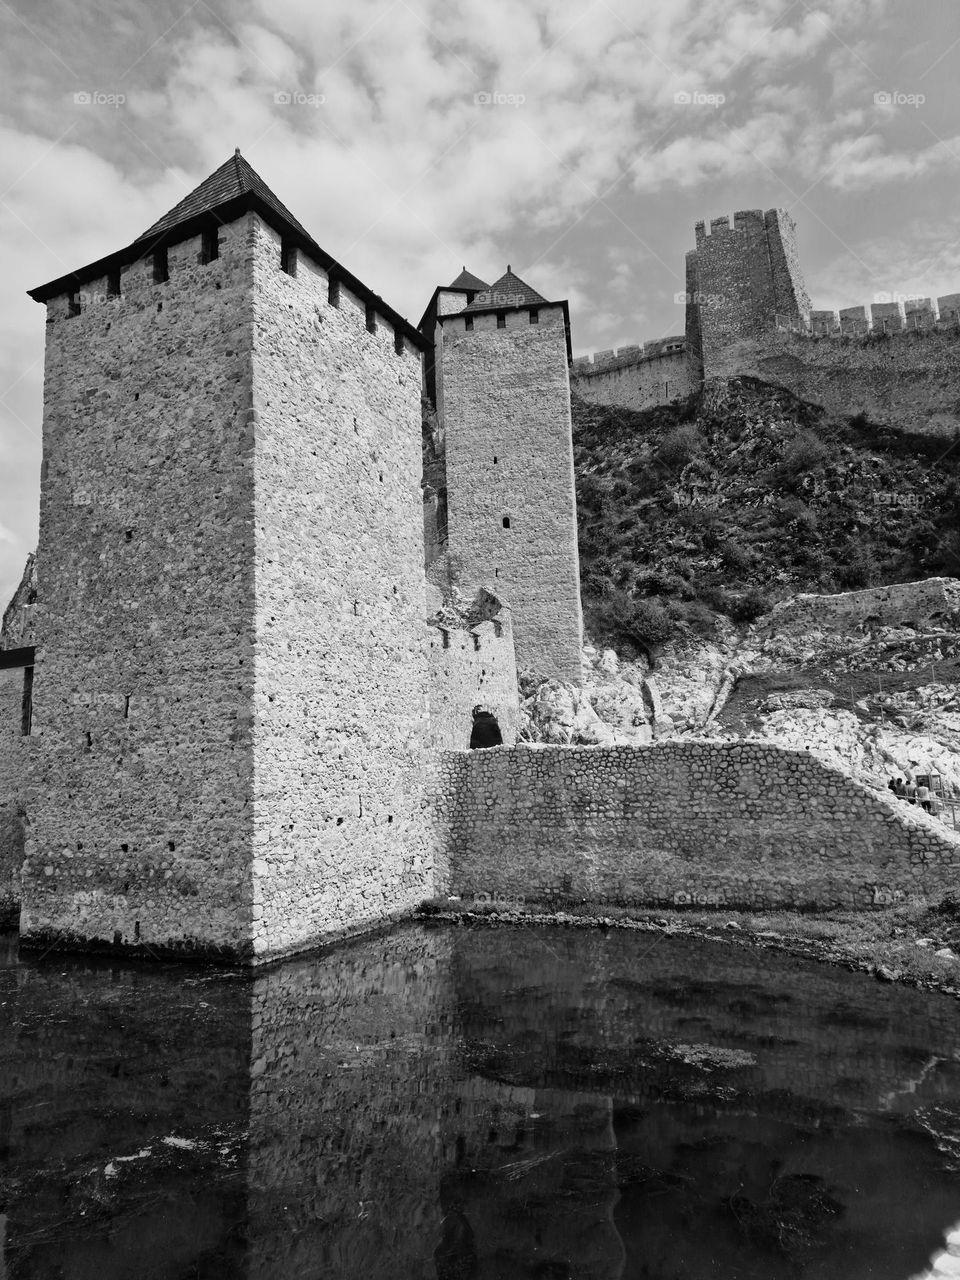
472 664
743 825
140 821
638 377
914 604
341 716
511 502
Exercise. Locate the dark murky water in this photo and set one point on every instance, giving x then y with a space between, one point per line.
494 1103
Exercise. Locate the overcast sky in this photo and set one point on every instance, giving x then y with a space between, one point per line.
578 142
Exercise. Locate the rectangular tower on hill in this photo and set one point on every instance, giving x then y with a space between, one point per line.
230 690
503 397
742 281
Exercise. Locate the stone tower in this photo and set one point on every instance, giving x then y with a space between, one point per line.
502 394
230 691
742 282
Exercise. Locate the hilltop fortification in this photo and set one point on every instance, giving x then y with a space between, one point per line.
747 312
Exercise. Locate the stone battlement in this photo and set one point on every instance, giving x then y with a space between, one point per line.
744 221
898 315
602 361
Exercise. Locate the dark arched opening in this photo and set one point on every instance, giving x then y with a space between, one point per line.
485 731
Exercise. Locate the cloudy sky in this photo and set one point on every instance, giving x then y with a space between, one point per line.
577 141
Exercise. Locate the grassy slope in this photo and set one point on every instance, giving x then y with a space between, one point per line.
725 505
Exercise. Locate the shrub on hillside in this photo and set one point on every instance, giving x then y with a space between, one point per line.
804 452
625 616
736 557
752 605
679 445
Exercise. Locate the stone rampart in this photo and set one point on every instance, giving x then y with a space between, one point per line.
698 823
636 377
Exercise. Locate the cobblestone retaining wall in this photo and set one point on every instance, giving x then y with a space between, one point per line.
746 825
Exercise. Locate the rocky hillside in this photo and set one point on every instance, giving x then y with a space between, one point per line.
719 507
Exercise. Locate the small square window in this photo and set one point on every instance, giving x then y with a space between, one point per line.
506 522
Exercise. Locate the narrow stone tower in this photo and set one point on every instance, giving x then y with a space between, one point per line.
742 282
230 692
502 391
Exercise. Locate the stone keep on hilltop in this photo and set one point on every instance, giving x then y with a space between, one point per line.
292 553
236 687
747 312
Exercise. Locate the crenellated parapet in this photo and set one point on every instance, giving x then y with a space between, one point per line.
604 361
889 315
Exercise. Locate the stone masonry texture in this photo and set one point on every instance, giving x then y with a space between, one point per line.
634 382
18 632
505 401
738 825
140 827
340 713
231 693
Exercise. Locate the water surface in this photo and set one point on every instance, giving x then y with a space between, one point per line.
453 1103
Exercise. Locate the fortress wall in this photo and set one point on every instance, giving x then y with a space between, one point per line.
908 379
469 669
139 821
14 760
914 604
742 825
506 407
633 381
340 699
18 631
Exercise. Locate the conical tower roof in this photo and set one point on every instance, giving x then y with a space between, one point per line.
508 291
235 178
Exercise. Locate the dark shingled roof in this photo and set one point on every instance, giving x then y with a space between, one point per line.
508 291
467 280
234 178
231 191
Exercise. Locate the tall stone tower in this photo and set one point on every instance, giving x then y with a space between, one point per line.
742 282
502 388
230 691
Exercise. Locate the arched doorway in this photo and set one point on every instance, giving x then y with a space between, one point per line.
485 731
